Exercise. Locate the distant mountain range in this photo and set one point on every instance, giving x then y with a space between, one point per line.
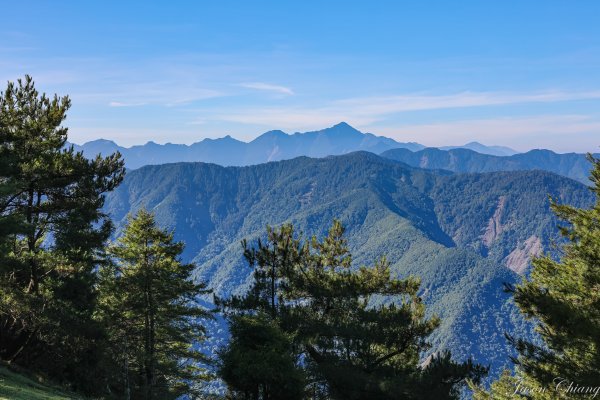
464 235
480 148
270 146
572 165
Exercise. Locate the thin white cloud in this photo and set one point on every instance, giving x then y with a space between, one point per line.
105 81
380 115
414 102
268 87
168 94
120 104
367 111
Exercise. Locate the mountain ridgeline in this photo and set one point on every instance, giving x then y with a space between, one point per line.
572 165
270 146
464 235
480 148
342 139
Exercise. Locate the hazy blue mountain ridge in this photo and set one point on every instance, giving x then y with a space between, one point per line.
342 139
572 165
480 148
270 146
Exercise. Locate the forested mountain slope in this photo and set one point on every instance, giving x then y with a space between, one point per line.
464 235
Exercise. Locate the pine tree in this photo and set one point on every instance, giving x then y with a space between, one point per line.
149 304
52 234
259 362
563 298
353 344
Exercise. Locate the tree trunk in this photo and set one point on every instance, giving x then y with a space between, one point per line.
149 345
24 339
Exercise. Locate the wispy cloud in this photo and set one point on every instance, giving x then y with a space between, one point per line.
267 87
415 102
366 111
120 104
102 81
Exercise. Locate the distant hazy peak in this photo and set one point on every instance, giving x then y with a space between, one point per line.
343 124
273 145
271 135
483 149
100 141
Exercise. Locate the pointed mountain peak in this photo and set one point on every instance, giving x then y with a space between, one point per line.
342 128
343 125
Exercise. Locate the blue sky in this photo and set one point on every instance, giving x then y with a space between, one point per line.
525 74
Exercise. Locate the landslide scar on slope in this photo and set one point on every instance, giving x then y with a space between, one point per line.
518 259
494 228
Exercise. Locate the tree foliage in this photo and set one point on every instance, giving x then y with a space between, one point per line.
52 233
149 306
259 362
563 297
350 348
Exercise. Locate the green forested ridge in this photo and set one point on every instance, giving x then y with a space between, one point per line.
427 224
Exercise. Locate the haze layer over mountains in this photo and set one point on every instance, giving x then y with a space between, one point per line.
342 139
270 146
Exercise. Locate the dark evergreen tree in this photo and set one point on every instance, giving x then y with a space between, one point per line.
563 297
259 362
352 345
149 305
52 235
